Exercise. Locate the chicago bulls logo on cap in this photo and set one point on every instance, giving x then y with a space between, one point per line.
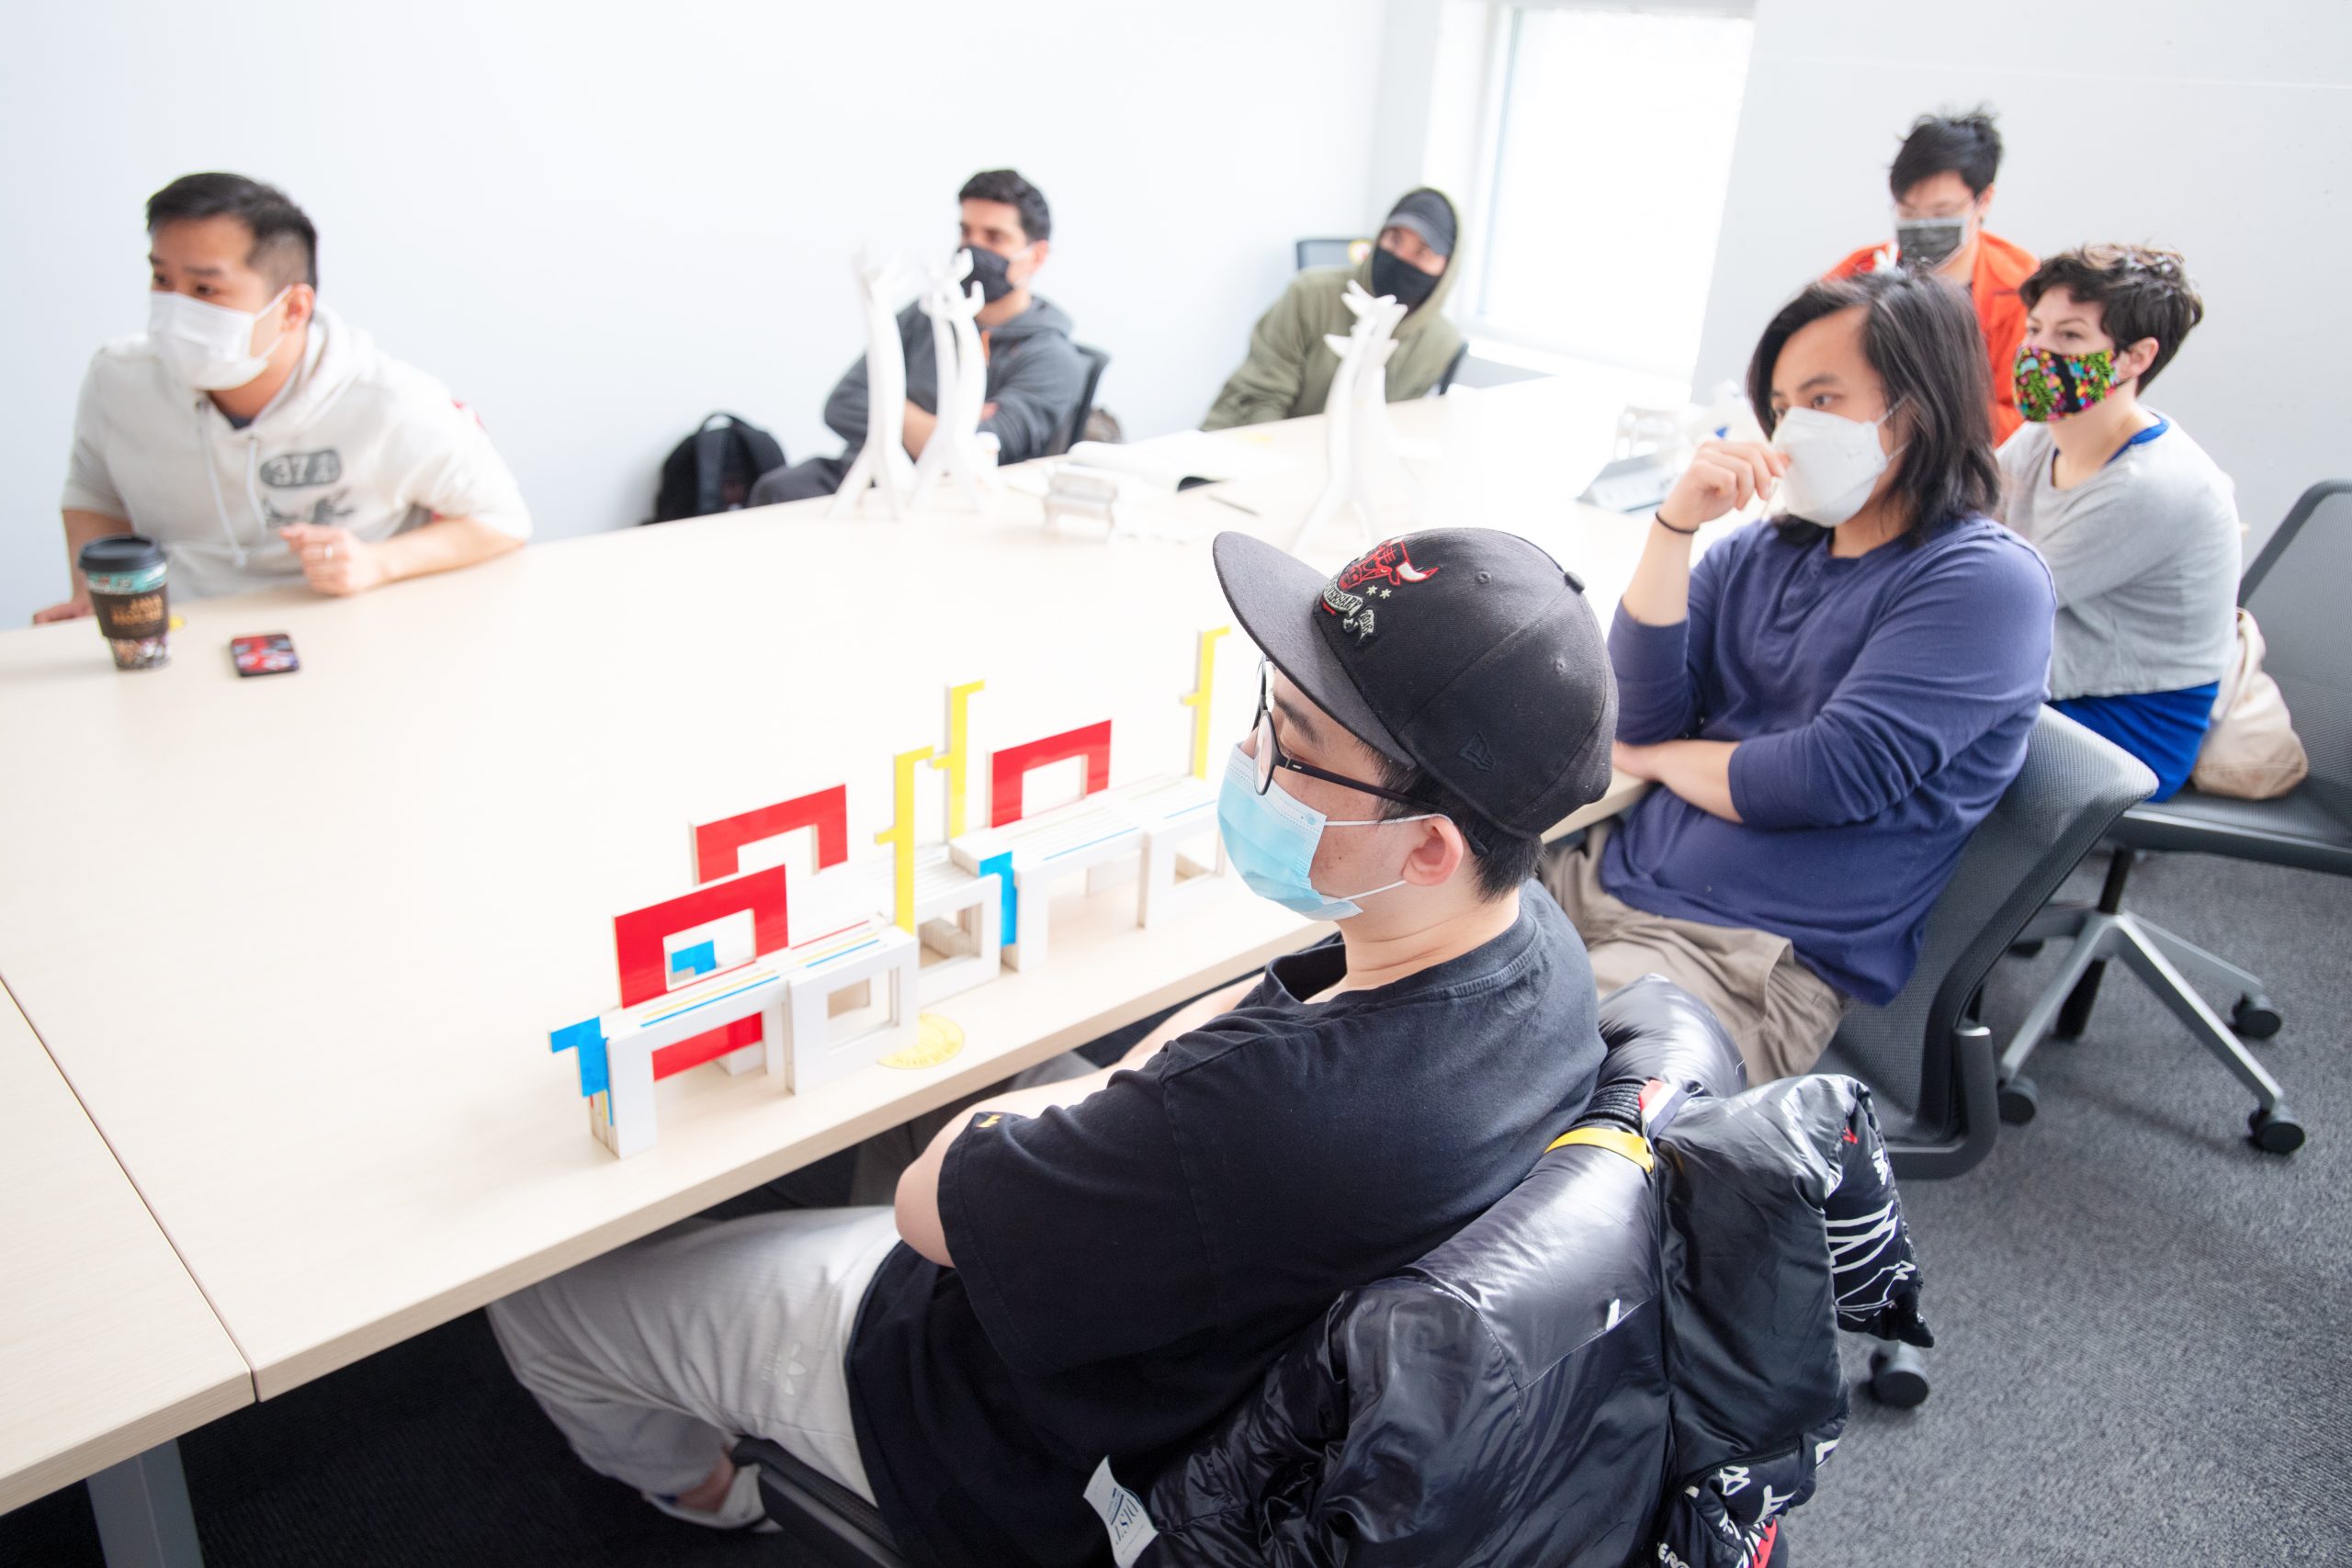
1379 573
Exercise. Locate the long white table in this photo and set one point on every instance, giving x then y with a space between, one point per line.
108 1349
298 942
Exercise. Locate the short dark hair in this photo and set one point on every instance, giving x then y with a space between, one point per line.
1503 860
284 248
2141 292
1920 335
1007 186
1963 144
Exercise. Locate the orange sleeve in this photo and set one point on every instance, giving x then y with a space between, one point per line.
2005 418
2001 266
1863 260
2002 318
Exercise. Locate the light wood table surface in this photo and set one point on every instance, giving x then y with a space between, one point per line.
107 1346
297 942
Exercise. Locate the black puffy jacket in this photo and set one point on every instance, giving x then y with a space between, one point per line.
1613 1365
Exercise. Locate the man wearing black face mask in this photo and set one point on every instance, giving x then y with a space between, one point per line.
1035 373
1290 366
1943 184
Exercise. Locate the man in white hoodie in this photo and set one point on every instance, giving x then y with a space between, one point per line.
259 438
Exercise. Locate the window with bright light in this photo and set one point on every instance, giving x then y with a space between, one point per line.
1612 161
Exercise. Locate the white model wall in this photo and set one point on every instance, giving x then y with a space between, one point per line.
2222 130
598 221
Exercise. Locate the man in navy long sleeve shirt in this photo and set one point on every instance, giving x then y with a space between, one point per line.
1831 699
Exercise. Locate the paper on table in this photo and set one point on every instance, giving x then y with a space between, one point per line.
1038 478
1184 454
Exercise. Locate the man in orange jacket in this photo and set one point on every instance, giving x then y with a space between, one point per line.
1943 184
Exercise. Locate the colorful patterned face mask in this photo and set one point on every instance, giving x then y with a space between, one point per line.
2052 385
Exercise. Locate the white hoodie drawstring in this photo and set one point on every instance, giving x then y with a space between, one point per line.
220 501
253 492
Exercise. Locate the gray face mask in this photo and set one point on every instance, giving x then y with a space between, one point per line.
1922 244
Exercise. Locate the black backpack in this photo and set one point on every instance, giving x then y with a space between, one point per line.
714 469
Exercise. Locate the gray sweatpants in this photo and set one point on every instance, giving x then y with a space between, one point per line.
652 1359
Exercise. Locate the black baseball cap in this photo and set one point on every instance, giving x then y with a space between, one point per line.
1466 652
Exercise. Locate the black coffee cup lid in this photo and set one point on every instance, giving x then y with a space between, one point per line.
120 553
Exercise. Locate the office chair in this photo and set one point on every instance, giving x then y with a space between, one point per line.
1452 369
1927 1058
1559 1285
2300 610
1073 430
1326 253
827 1520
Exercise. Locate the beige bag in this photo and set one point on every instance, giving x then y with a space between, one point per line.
2251 752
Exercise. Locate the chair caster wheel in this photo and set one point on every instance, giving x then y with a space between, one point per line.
2274 1132
2019 1101
2255 1017
1899 1377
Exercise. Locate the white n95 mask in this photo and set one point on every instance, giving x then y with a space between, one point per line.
1833 463
209 347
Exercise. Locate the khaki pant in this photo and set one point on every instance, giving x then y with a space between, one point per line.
1778 1013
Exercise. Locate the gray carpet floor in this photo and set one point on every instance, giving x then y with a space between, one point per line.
2145 1325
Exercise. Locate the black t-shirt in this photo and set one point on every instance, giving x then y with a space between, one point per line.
1128 1267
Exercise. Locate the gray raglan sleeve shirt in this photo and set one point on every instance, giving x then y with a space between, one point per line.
2144 556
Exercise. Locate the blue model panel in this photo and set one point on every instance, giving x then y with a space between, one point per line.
1009 924
595 1076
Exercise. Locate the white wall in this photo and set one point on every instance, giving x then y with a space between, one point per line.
1431 122
2222 130
598 223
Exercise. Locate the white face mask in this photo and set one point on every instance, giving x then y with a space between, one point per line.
209 346
1834 463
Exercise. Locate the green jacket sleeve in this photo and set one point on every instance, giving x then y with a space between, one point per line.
1266 387
1420 360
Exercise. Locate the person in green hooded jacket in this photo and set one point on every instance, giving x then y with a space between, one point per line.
1290 366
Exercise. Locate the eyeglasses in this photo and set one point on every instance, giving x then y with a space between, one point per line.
1268 756
1268 753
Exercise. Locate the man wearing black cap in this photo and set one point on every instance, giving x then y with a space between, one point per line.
1080 1277
1290 366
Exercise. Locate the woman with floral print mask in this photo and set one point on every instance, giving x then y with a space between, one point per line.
2140 527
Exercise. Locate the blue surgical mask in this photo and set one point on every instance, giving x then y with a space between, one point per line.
1272 838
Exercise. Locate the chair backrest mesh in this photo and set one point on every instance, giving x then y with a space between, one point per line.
2073 787
2296 590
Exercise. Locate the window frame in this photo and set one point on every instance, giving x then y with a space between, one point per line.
1528 349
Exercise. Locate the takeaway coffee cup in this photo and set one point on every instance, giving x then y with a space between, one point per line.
126 572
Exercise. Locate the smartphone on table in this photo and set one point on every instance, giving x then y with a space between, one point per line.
266 653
